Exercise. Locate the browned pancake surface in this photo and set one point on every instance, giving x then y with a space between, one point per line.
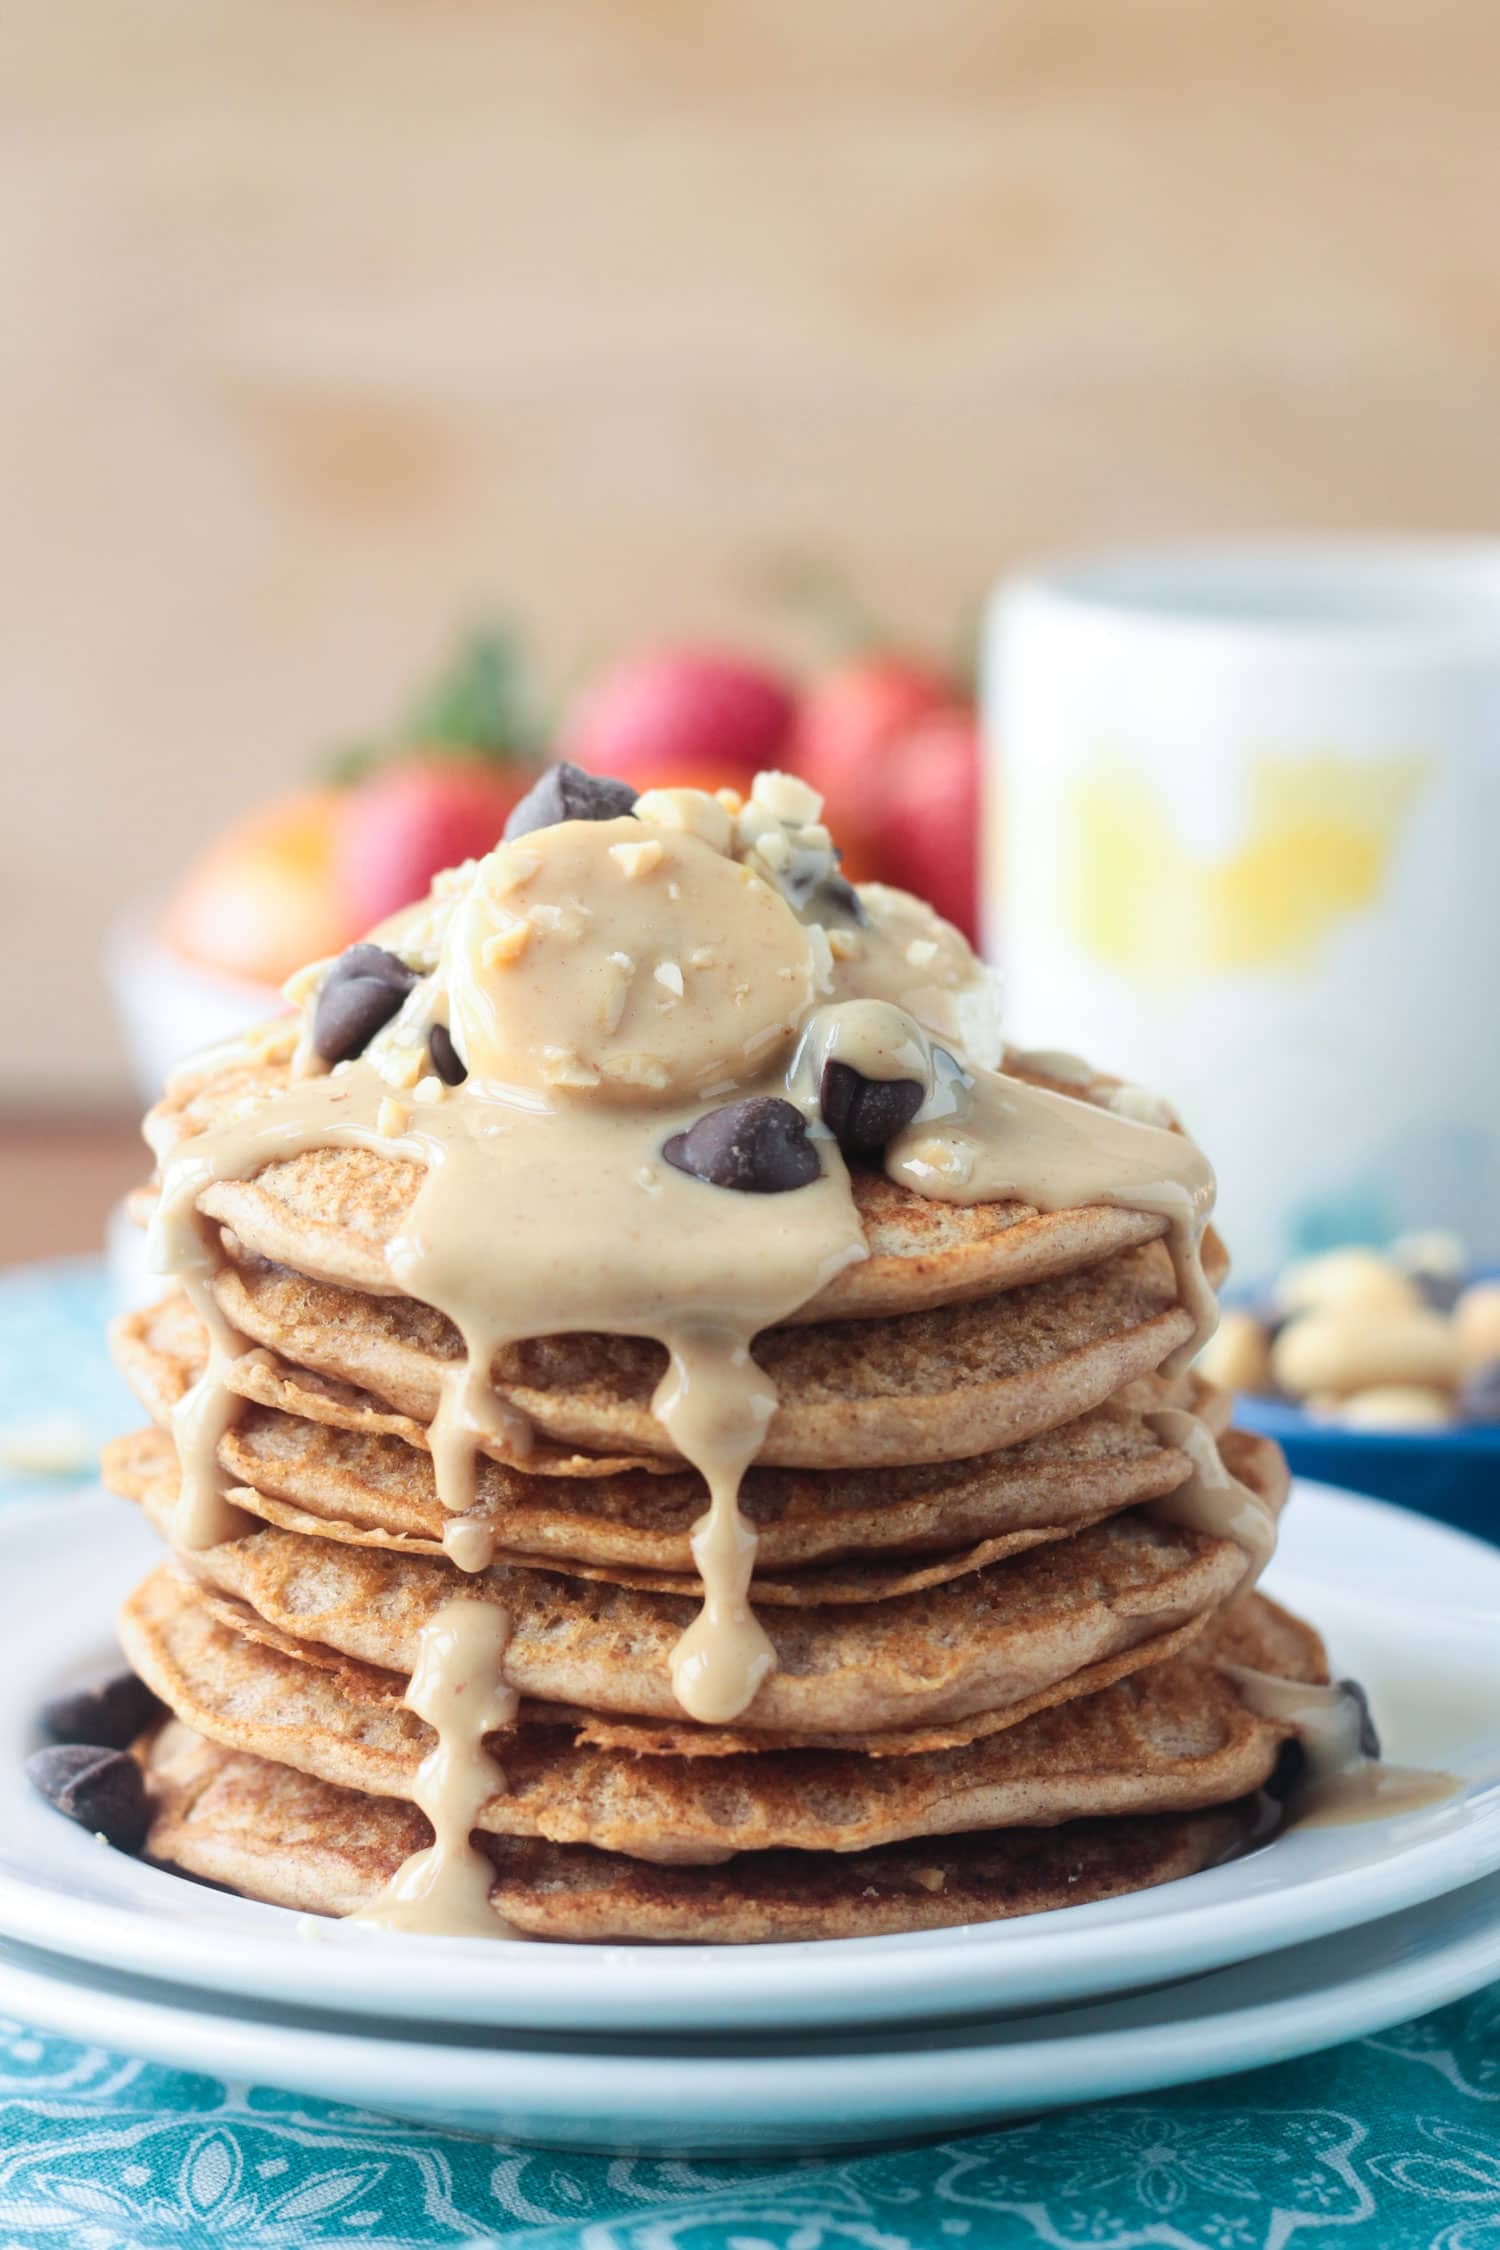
333 1211
275 1834
356 1479
990 1640
931 1386
1175 1737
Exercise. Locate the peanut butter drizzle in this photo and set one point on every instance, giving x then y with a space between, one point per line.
605 983
982 1136
1213 1499
1342 1783
182 1243
547 1222
458 1686
1004 1140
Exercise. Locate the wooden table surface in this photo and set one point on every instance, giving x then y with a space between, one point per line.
336 339
59 1178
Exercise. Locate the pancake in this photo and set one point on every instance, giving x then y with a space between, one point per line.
944 1625
349 1488
159 1348
272 1833
1169 1739
689 1738
930 1386
1085 1468
333 1211
146 1463
990 1641
357 1479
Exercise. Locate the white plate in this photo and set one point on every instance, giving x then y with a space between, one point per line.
742 2098
1433 1668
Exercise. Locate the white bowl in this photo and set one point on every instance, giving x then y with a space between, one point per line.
168 1006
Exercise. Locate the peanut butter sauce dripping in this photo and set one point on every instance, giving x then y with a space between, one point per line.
1004 1140
545 1207
1212 1499
1341 1782
531 1222
458 1686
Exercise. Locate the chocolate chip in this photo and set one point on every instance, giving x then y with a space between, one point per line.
839 899
1289 1772
759 1147
107 1714
446 1060
1440 1291
1369 1737
864 1113
1479 1394
360 994
566 792
100 1789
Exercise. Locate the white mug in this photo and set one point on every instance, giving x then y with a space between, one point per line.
1245 850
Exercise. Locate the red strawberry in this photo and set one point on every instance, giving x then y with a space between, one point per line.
927 829
681 718
849 720
405 822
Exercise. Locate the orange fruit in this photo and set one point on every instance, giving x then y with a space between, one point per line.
262 900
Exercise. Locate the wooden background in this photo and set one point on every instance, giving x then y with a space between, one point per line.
326 325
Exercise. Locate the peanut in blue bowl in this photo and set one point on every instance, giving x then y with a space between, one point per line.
1451 1474
1449 1471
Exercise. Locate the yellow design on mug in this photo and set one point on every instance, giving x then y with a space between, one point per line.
1321 834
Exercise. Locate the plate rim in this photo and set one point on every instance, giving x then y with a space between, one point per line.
962 2084
1046 1960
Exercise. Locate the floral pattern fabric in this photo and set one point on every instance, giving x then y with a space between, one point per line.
1389 2143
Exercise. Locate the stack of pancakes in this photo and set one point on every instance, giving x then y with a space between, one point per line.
1005 1678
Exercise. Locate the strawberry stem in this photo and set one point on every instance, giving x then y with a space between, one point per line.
483 704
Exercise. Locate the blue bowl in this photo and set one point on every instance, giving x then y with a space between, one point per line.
1452 1475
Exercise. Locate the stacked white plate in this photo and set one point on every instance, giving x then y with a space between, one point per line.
1325 1934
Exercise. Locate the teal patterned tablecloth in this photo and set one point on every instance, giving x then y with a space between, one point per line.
1390 2143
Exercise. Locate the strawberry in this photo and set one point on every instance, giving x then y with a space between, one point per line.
406 821
849 720
681 718
927 815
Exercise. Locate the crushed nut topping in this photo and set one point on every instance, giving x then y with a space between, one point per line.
637 1070
692 811
616 991
562 1067
636 860
507 944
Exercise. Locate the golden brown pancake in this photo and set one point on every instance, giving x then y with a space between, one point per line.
688 1738
332 1211
1101 1460
1172 1738
930 1386
145 1464
1000 1676
275 1834
992 1640
355 1478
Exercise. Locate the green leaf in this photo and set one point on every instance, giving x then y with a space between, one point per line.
485 704
483 700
